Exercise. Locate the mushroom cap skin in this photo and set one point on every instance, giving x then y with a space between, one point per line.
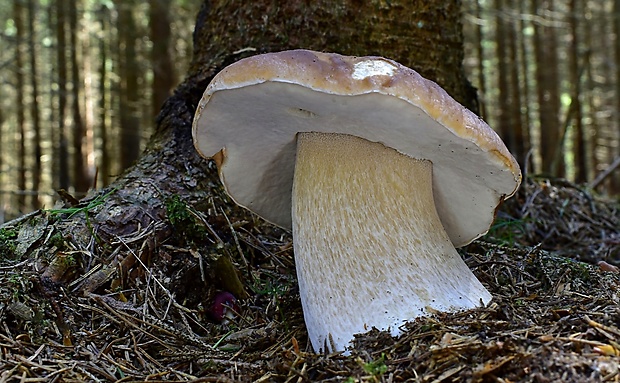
250 113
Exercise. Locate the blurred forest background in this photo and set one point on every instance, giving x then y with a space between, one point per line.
81 83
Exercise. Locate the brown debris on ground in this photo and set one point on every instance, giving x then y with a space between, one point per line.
138 308
563 218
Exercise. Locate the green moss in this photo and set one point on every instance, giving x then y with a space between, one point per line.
274 289
507 231
270 287
58 241
427 327
579 271
376 368
6 234
553 269
7 243
18 285
186 225
68 260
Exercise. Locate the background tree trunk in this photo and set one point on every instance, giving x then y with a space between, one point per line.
105 159
547 86
578 134
524 85
591 101
612 152
19 102
82 178
519 135
62 144
2 118
509 120
479 42
164 77
34 105
503 74
128 70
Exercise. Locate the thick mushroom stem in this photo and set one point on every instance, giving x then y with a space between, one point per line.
369 246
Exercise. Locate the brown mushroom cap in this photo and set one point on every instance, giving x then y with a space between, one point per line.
250 114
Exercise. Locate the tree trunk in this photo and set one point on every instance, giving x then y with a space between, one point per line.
547 83
579 137
504 125
425 35
482 89
19 102
81 176
2 118
34 106
62 158
612 153
519 135
525 84
592 103
128 71
164 78
50 71
510 123
105 160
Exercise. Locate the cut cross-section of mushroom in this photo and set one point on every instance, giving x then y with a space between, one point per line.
378 171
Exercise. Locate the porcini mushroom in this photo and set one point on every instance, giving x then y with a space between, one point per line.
379 173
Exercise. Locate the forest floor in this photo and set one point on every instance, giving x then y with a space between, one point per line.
110 313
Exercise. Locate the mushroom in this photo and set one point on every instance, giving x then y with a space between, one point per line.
379 173
224 307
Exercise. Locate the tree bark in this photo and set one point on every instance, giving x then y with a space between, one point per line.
82 179
160 33
482 88
19 102
61 146
504 125
105 160
579 135
591 102
128 70
2 118
519 133
525 84
425 35
34 105
509 119
547 83
614 182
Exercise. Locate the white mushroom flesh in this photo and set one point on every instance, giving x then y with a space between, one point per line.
370 248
